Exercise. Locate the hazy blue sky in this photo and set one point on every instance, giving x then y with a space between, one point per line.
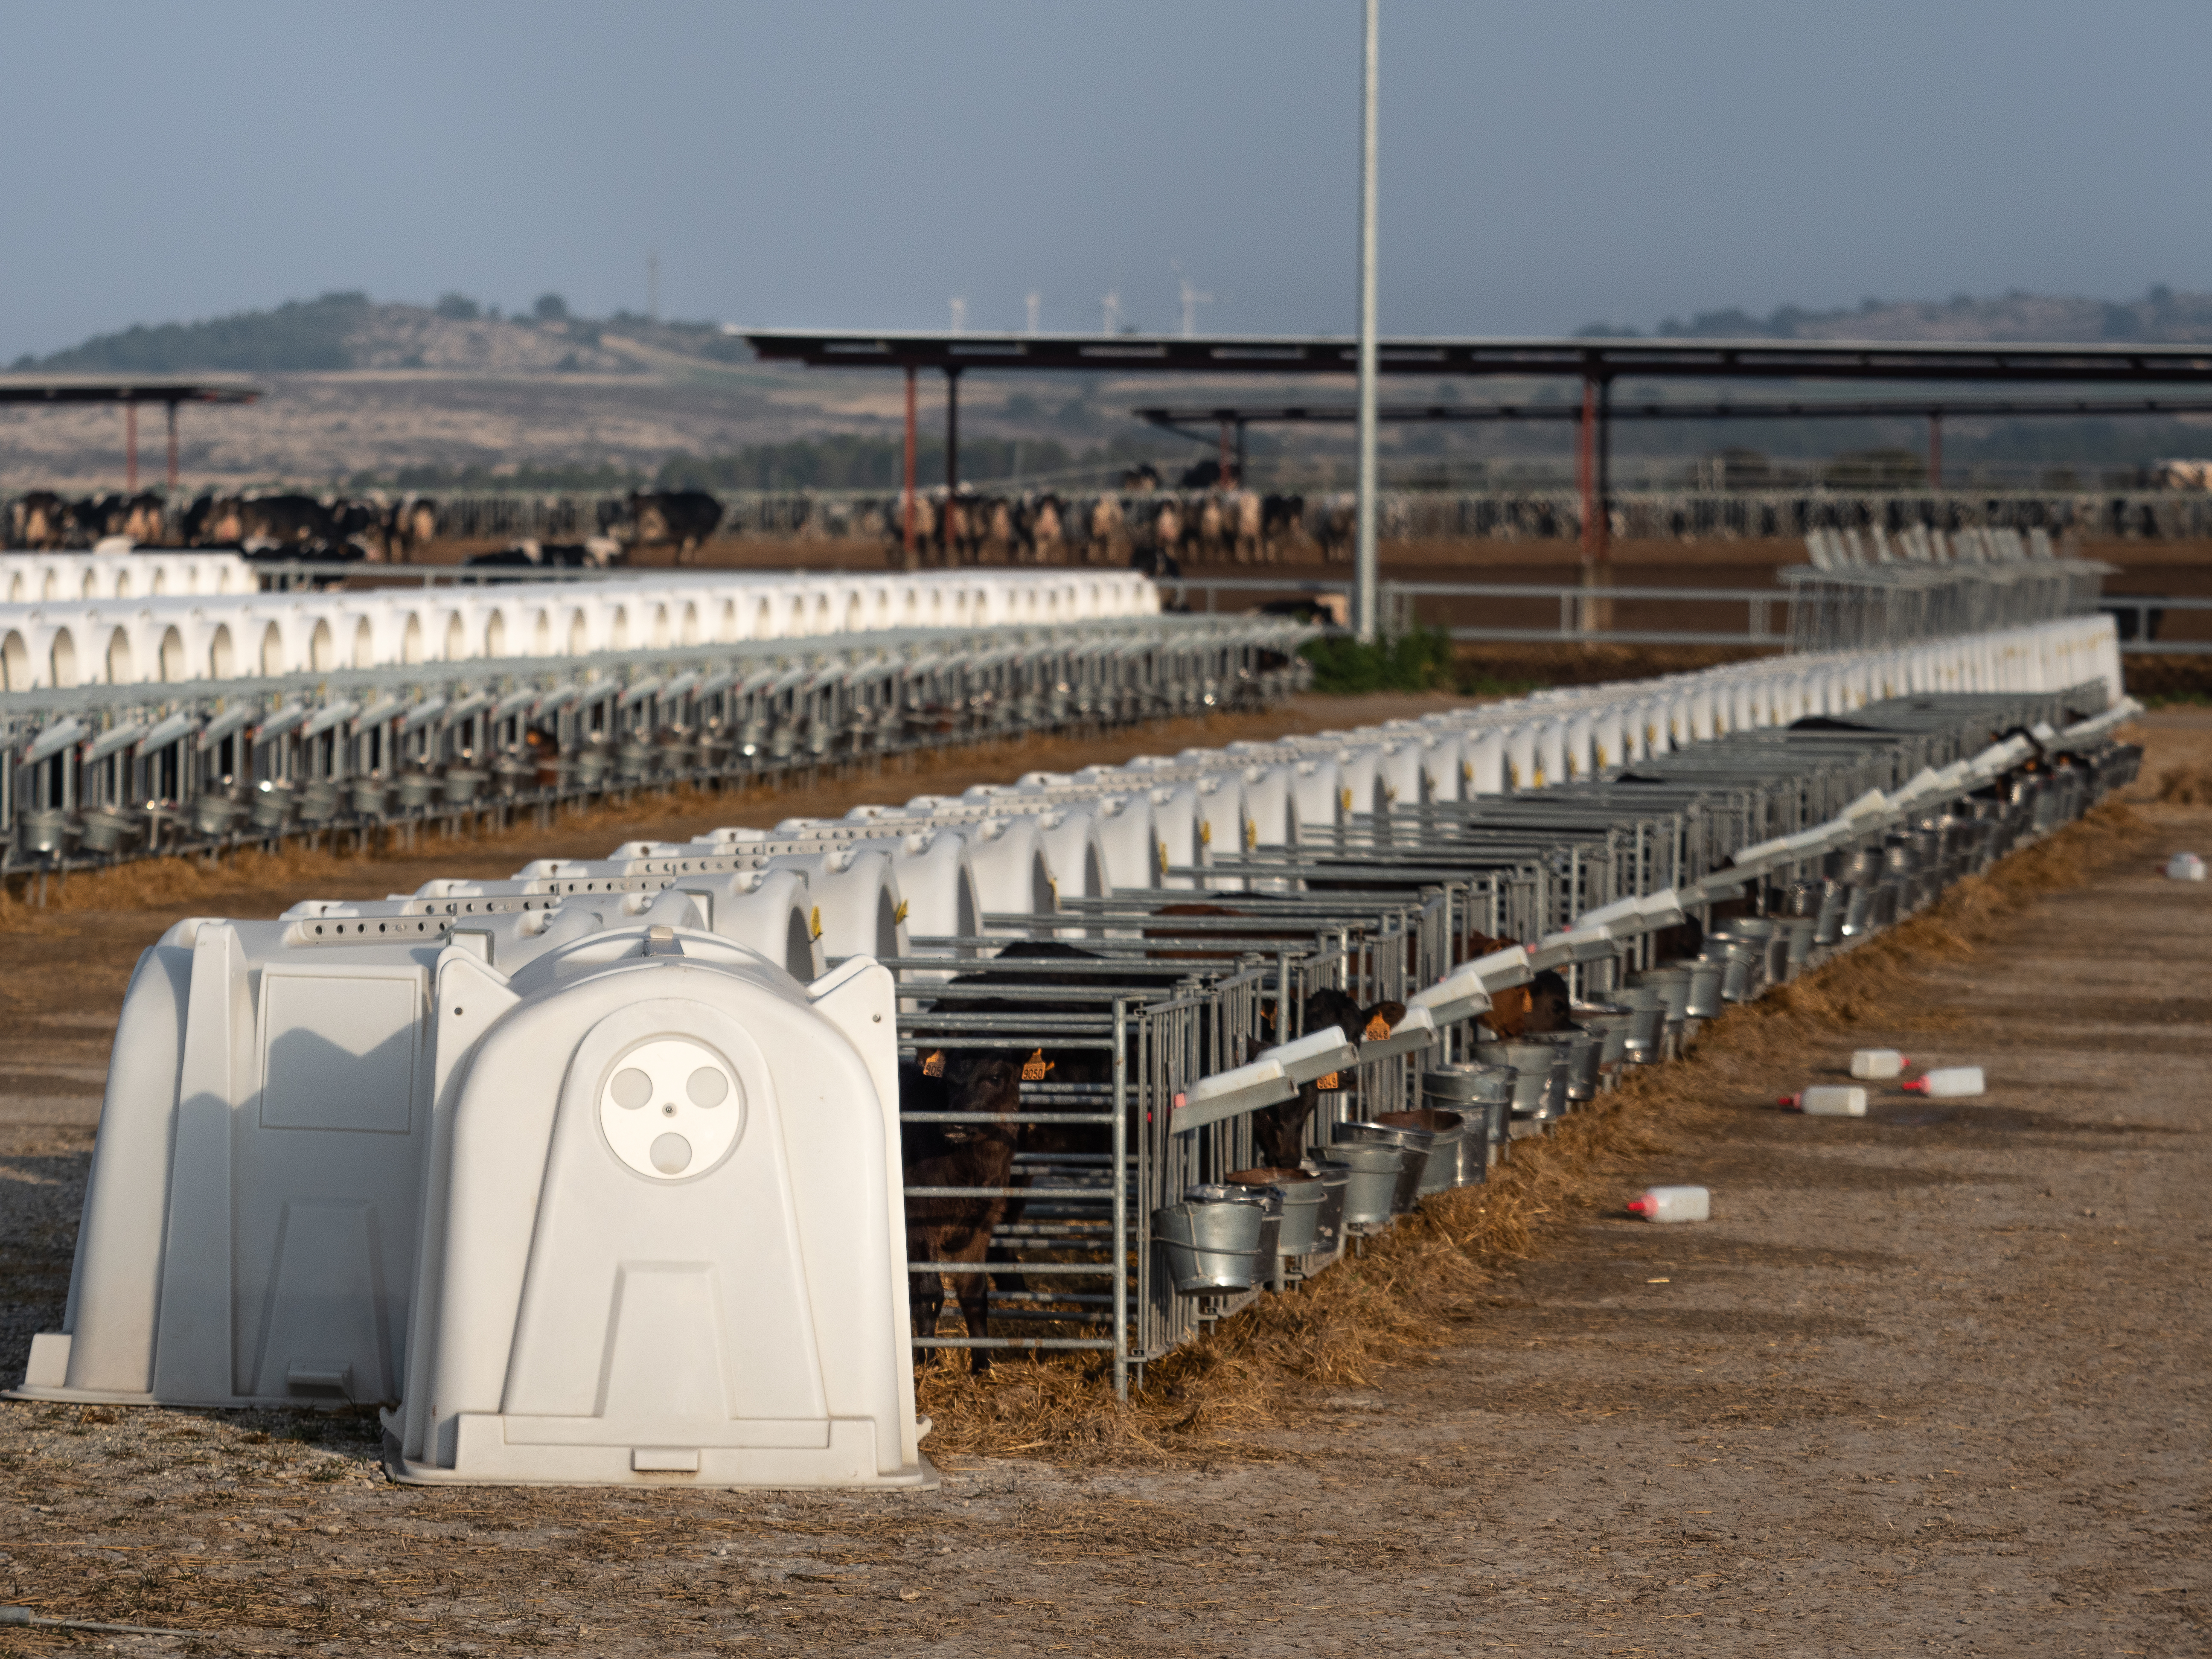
1544 166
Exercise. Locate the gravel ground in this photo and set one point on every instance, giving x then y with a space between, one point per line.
1932 1380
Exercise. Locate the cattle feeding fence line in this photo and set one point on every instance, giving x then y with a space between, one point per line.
1379 906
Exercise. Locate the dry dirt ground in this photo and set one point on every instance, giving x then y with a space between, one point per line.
1936 1381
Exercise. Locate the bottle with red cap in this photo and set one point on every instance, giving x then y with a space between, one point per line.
1827 1100
1948 1082
1673 1204
1877 1064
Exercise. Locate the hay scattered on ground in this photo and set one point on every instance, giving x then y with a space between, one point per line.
1398 1300
2186 786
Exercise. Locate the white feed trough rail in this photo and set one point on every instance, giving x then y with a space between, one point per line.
593 1175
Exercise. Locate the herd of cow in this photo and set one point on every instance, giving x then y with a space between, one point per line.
373 529
1141 525
276 526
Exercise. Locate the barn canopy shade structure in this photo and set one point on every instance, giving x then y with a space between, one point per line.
130 393
1596 363
1228 418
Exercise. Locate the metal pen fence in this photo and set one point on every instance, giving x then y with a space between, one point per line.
97 774
1179 985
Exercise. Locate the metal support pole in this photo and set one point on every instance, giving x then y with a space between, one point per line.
952 459
130 447
1122 1243
1363 558
1240 454
1604 471
906 533
952 429
1598 616
173 443
1586 493
1935 452
1586 468
1227 458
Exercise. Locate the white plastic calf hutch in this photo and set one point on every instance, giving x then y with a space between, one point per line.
595 1201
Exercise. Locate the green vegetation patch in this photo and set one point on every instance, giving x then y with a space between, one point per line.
1420 660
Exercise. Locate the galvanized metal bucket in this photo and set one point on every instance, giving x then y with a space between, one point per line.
1537 1062
1647 1021
1329 1220
1440 1172
1611 1021
1672 980
1371 1185
1483 1096
1210 1246
1412 1146
1704 1002
1301 1196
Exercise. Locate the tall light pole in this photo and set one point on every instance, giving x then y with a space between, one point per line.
1364 597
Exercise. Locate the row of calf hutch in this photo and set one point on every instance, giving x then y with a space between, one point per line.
154 631
67 579
653 1168
105 772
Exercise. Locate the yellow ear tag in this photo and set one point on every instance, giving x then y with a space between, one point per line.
1377 1028
934 1065
1205 833
1251 835
1347 794
814 922
899 915
1164 858
1035 1067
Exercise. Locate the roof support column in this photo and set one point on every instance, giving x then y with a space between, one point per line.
131 448
952 461
1364 598
172 408
906 500
1593 480
1936 451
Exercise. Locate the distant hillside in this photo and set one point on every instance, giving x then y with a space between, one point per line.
348 331
2160 316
